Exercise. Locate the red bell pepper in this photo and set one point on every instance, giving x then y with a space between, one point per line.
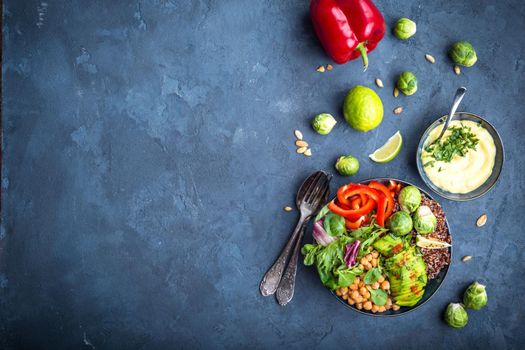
388 195
347 29
354 225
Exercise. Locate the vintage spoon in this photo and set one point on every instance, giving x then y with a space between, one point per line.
457 100
308 200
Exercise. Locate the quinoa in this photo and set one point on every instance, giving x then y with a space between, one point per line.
436 259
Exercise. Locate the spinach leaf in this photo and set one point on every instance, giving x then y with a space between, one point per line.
372 275
309 251
378 296
324 210
334 225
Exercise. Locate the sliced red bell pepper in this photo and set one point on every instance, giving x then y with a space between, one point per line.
354 225
389 198
351 214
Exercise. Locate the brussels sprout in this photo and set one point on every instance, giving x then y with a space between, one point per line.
409 199
407 83
424 220
347 165
475 297
404 28
400 223
323 123
456 316
463 54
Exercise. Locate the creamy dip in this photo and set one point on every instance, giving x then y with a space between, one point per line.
462 174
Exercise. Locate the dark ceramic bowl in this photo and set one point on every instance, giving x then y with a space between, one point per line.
498 162
432 285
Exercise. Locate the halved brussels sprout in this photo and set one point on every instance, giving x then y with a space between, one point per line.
347 165
475 297
409 199
424 220
407 83
404 28
463 53
399 223
323 123
456 316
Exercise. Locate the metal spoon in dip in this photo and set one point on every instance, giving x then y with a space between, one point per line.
457 100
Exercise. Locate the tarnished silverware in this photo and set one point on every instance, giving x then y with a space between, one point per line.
309 198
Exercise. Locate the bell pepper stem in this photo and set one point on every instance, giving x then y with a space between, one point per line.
362 50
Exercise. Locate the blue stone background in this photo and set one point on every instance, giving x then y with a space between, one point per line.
148 151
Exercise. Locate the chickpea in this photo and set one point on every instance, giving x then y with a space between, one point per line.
361 284
344 290
375 285
357 280
345 296
375 308
338 292
363 260
369 257
360 266
395 307
353 287
362 290
359 306
367 305
382 309
374 262
385 285
366 295
381 279
350 301
368 266
355 295
375 254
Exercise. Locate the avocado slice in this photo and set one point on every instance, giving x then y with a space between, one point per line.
388 245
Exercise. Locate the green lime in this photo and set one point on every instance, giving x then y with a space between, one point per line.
363 108
389 150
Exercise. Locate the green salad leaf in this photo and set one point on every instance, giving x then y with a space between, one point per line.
322 213
334 224
372 275
378 296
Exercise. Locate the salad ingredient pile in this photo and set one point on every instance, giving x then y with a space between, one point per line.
347 29
365 249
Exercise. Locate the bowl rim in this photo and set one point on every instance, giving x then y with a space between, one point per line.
445 269
450 195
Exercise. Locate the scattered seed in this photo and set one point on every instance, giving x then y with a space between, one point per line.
308 152
398 110
430 58
379 82
482 220
329 67
287 208
301 143
301 149
320 69
298 134
457 70
466 258
396 92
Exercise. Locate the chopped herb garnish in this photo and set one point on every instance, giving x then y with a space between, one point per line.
429 163
460 140
439 170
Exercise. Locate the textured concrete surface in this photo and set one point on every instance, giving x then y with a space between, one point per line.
148 152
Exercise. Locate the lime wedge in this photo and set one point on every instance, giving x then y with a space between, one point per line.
389 150
430 243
